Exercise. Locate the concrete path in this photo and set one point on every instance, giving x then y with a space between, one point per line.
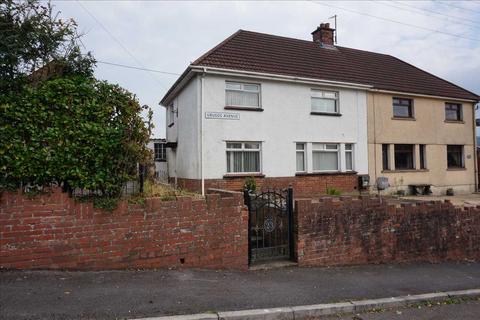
130 294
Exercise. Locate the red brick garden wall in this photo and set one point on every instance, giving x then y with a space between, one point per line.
304 185
364 231
55 232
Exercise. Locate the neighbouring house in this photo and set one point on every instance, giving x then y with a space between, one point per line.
158 147
315 115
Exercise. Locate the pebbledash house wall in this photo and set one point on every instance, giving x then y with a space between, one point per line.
53 231
429 128
285 120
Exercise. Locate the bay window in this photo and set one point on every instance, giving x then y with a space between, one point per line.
325 156
404 156
349 157
300 157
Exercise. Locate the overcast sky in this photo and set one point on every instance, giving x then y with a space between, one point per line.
168 35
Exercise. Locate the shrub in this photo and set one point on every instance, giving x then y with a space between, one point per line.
250 184
333 192
76 131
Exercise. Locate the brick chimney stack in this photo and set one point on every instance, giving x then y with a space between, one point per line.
324 34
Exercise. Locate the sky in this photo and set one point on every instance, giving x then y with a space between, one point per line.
441 37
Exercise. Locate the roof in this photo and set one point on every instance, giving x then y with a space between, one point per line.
259 52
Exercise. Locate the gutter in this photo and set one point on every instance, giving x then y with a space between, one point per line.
271 76
191 69
421 95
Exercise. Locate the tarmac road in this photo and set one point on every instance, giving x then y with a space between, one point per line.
129 294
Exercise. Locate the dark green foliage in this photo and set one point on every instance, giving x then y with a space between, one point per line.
66 127
333 192
77 130
251 184
31 36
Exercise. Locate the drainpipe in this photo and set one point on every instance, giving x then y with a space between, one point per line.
475 160
202 177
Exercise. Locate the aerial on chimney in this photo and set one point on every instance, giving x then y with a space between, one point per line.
324 35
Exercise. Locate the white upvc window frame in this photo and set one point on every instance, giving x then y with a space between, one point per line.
323 147
243 149
304 152
350 149
160 152
325 94
171 114
242 87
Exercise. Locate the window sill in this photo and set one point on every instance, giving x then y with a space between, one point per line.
457 169
404 118
405 170
455 121
326 173
330 114
160 160
243 108
171 125
243 175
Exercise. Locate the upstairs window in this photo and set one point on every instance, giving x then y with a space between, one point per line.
453 111
402 108
238 94
160 151
404 157
325 156
243 157
324 101
455 157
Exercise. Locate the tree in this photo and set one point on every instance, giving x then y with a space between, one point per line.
31 36
71 128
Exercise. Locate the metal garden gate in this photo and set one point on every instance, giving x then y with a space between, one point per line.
270 225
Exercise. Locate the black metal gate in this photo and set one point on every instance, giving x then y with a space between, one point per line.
270 225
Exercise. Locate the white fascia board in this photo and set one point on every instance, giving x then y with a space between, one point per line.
277 77
401 93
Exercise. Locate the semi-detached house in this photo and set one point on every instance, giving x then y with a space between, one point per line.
315 115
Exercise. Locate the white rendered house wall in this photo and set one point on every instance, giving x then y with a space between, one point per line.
284 121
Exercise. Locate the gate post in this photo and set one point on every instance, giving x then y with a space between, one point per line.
290 222
246 201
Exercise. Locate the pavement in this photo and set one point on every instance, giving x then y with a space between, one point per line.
465 310
137 294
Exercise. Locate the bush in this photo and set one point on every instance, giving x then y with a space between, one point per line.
74 131
250 184
333 192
